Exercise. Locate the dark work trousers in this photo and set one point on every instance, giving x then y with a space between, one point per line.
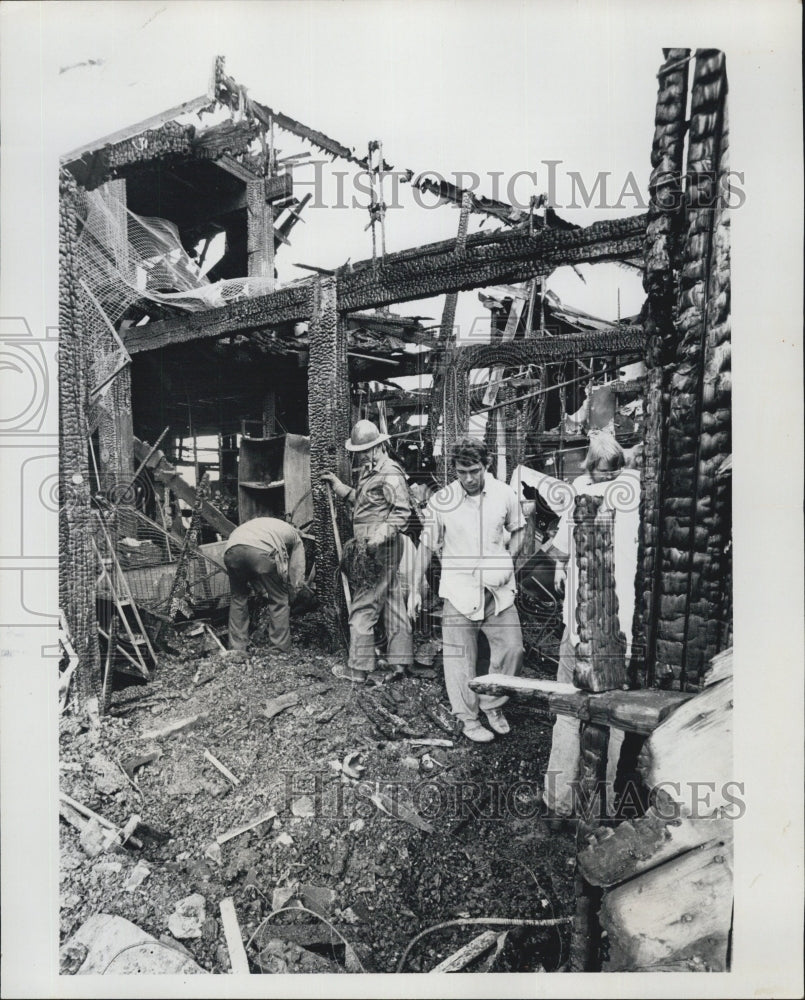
249 565
371 600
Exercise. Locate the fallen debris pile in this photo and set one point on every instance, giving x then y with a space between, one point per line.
320 827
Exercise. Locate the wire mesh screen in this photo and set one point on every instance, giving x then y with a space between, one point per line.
150 556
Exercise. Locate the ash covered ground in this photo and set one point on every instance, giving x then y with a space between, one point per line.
378 836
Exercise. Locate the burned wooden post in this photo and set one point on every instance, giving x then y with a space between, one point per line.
684 547
600 666
76 559
660 253
259 232
328 415
441 391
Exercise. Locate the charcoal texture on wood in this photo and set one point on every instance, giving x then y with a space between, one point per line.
328 415
77 569
600 661
171 140
696 546
488 258
660 254
289 304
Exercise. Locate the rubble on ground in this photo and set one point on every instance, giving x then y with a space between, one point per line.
302 833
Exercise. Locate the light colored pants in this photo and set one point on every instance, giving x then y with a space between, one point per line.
460 651
368 603
246 565
563 766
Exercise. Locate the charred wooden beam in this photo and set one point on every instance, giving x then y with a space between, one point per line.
422 272
259 232
156 121
229 137
488 258
599 343
695 520
284 306
600 657
536 350
170 141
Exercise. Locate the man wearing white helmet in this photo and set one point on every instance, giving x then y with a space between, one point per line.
381 508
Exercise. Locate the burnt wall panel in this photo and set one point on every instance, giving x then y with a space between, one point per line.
76 562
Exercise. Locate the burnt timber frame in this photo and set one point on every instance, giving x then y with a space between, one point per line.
419 273
446 267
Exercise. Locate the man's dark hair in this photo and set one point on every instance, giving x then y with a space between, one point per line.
468 451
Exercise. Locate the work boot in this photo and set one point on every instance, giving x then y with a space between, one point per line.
474 731
497 721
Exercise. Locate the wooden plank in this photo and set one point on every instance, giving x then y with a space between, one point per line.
238 959
185 492
561 699
155 121
296 473
576 704
458 960
678 912
638 845
634 711
526 688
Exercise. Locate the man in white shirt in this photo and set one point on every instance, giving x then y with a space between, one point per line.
620 488
476 525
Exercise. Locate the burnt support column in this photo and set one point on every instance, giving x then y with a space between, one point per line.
116 434
661 252
695 528
259 232
328 414
585 940
77 570
600 654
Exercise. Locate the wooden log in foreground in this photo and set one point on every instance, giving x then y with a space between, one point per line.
632 711
638 845
693 746
645 931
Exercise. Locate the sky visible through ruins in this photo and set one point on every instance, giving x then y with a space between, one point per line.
489 89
